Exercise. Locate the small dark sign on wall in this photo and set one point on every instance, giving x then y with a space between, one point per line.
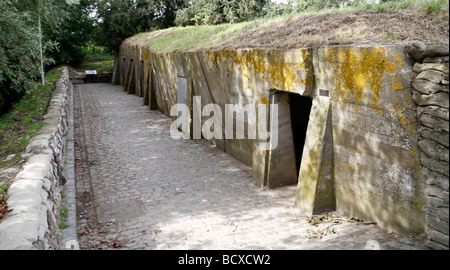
324 93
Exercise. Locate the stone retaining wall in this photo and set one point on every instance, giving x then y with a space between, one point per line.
34 196
430 90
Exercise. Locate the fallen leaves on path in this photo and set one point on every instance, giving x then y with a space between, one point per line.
320 233
315 220
3 206
112 244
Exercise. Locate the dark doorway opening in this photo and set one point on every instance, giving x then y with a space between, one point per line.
283 163
300 107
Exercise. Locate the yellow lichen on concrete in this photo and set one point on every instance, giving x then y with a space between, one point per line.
158 64
360 73
283 70
146 55
396 83
264 101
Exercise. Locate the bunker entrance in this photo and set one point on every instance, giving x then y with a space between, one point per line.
300 107
293 117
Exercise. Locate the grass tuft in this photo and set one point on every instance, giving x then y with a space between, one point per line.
435 5
4 189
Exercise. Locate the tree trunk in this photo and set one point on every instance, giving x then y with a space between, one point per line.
40 50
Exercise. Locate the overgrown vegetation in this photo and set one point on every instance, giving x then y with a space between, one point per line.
96 58
25 119
3 190
387 22
96 54
200 12
3 197
119 19
29 26
18 54
20 124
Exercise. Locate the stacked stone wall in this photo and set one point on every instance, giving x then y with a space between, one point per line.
35 195
430 91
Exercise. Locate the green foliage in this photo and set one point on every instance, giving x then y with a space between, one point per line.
200 12
72 34
64 212
96 54
316 5
434 5
319 5
120 19
45 16
20 124
65 27
47 10
64 30
115 27
100 66
4 188
273 9
19 54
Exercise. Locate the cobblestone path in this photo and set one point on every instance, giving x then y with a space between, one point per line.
137 188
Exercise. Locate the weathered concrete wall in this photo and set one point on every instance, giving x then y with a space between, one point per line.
34 196
375 165
361 153
430 86
221 77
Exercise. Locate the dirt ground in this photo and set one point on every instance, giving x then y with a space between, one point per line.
361 27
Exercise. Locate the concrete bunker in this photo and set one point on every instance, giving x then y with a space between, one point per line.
354 148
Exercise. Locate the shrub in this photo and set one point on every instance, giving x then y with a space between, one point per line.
19 55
